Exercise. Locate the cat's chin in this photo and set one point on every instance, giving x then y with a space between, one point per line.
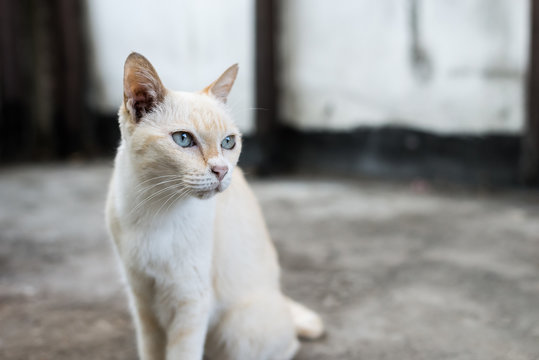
206 194
210 193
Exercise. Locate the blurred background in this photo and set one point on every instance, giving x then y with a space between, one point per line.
394 88
393 145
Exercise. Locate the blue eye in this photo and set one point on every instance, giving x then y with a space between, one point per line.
229 142
183 139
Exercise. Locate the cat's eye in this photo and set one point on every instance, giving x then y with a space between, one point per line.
184 139
229 142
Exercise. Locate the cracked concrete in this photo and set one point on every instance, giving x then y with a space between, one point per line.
397 271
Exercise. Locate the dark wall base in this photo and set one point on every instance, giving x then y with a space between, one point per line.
392 152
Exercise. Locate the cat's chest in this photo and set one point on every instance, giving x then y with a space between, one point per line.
173 244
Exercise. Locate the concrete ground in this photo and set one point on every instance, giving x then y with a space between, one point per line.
398 271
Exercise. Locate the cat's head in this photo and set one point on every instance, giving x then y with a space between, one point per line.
183 142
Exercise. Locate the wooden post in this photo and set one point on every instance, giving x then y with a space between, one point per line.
43 80
266 88
530 141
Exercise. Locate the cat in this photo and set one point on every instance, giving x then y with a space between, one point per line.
202 272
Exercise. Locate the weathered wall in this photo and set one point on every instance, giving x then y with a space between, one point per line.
445 66
189 42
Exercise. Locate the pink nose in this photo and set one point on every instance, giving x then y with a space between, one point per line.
219 171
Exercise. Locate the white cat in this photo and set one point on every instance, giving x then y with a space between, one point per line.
202 272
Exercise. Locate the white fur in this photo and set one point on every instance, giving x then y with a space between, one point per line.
172 253
203 276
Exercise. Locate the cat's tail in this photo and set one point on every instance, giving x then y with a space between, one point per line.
308 324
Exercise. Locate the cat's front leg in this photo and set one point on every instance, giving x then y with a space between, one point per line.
151 337
186 334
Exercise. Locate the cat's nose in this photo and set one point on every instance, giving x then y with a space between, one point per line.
219 171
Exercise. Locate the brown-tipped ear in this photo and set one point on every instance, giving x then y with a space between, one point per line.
221 87
143 89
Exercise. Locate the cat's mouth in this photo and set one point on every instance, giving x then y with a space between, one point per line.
206 194
211 191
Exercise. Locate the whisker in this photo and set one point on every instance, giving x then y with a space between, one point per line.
182 194
153 195
194 176
154 178
174 195
154 185
140 185
168 199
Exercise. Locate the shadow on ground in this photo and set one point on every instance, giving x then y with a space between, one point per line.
397 273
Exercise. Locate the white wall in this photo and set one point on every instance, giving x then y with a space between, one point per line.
348 63
190 43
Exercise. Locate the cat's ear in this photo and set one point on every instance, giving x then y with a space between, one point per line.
143 89
221 87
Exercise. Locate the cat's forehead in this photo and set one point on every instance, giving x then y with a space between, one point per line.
197 110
